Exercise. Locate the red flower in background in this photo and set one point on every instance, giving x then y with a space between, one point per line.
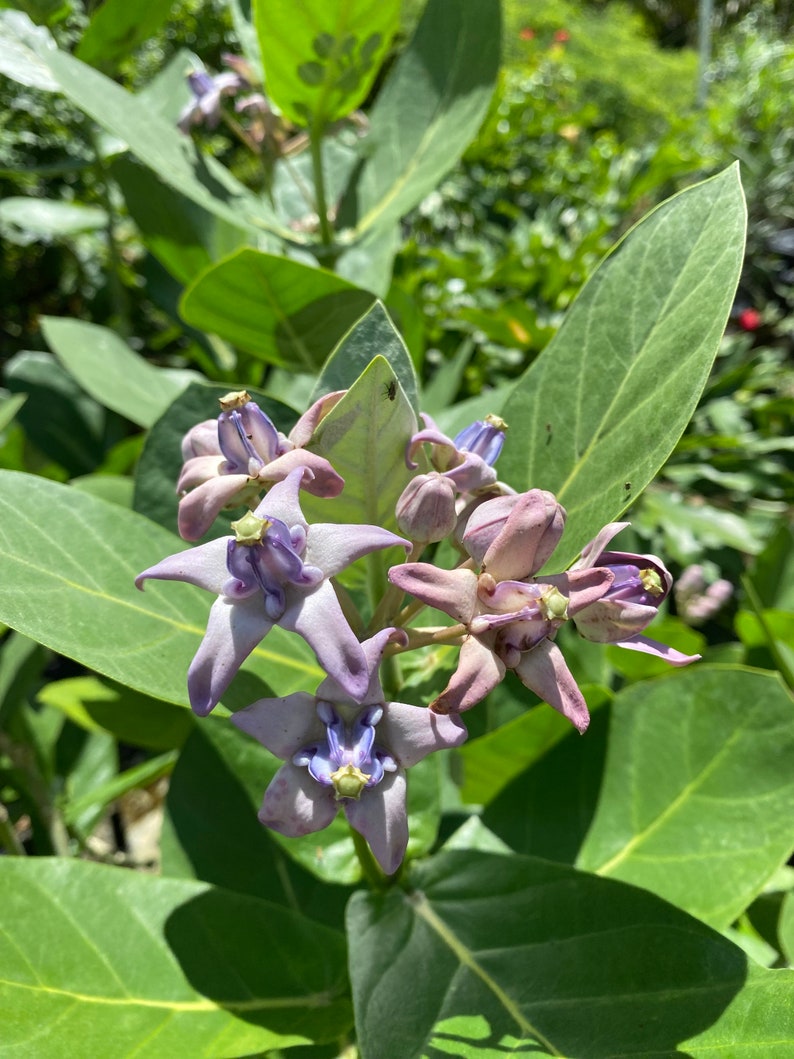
527 33
562 36
749 319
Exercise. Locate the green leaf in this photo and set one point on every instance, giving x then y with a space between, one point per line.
519 951
9 406
364 437
277 309
117 28
321 59
99 705
114 488
20 46
373 335
161 461
697 801
24 217
88 760
68 562
607 399
110 372
98 796
102 961
428 111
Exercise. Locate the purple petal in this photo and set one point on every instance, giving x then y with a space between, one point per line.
583 587
453 591
612 620
200 507
204 566
283 501
321 481
543 670
478 672
333 547
660 650
379 815
373 653
282 725
319 619
201 440
412 732
295 804
591 553
301 433
234 629
198 469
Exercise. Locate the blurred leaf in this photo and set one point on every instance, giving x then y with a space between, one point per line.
698 780
170 966
9 406
773 571
161 461
428 111
116 29
321 59
58 416
277 309
111 372
73 591
607 399
95 799
94 761
490 954
33 218
774 630
690 527
98 704
20 46
373 335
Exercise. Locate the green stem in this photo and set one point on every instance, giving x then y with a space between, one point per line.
758 609
316 148
370 868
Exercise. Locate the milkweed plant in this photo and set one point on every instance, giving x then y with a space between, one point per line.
445 775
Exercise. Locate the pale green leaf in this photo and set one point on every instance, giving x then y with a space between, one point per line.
599 411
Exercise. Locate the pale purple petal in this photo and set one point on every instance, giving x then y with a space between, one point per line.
512 536
282 725
453 591
283 501
295 804
319 619
413 732
379 815
333 547
543 670
234 629
204 566
322 479
611 620
201 440
373 649
582 587
660 650
478 673
591 552
199 469
200 507
301 433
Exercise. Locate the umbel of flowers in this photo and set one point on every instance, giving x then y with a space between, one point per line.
347 745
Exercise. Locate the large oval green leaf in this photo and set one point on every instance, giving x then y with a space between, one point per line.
67 566
697 801
521 956
274 308
100 961
599 411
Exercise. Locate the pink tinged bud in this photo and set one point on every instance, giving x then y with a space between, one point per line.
426 508
512 536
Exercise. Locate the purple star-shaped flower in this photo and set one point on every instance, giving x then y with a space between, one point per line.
346 752
275 570
511 617
230 461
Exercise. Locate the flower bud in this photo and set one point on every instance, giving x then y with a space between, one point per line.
426 508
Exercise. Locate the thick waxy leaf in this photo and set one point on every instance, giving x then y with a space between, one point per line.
374 335
117 28
101 961
525 957
364 436
67 564
601 408
321 59
428 110
697 802
20 44
136 122
161 461
279 310
107 368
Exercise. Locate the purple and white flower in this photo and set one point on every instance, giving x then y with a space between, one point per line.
346 752
274 570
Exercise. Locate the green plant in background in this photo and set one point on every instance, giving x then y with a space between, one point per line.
622 892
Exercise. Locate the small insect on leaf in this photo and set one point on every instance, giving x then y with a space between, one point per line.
627 487
390 389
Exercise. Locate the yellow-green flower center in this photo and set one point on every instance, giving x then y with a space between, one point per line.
234 399
349 781
249 529
554 605
651 581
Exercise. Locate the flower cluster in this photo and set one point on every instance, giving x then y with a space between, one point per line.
346 747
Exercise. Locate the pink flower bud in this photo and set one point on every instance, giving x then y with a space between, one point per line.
426 509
